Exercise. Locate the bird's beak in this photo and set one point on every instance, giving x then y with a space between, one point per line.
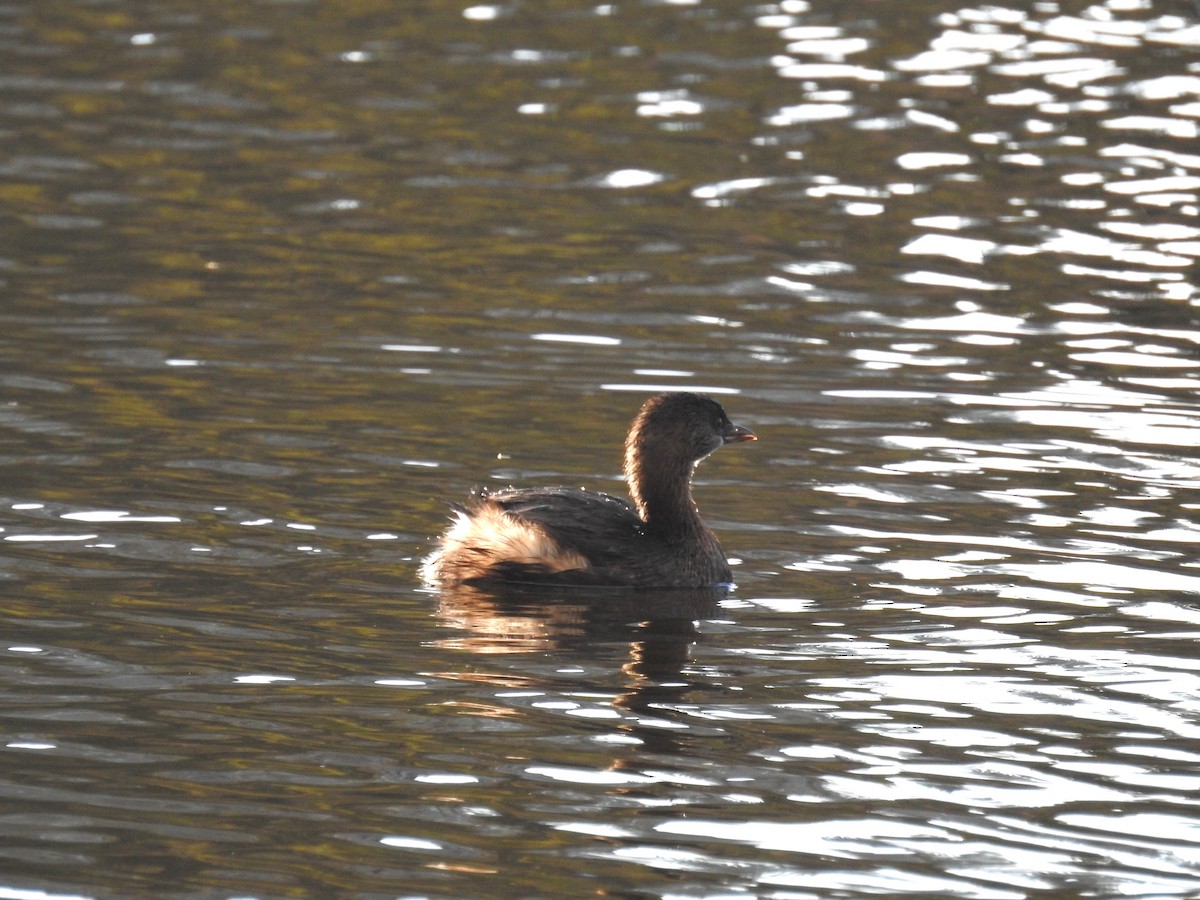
736 434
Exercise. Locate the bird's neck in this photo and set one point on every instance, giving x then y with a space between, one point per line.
662 493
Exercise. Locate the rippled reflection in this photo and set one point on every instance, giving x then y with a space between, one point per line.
279 278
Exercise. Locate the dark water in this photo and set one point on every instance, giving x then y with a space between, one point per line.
279 278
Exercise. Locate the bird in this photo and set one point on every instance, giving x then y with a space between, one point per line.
569 535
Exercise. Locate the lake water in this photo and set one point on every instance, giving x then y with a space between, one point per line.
281 279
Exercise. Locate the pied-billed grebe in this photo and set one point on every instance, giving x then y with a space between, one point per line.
574 536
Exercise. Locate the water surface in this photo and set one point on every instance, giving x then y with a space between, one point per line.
281 279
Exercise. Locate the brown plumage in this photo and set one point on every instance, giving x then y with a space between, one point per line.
566 535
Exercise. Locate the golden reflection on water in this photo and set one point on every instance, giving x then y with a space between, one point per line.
490 628
279 278
520 621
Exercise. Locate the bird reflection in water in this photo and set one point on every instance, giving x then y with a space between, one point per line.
652 632
660 626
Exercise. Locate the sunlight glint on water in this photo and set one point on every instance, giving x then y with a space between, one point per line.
282 281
